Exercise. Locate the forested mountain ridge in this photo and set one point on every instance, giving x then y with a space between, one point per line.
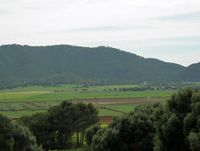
20 65
191 73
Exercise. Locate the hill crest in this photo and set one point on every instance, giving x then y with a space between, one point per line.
56 64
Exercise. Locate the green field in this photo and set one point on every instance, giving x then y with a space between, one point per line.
116 109
32 99
71 92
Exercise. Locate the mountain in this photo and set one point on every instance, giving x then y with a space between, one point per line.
191 73
21 65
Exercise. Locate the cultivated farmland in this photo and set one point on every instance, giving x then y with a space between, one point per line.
111 100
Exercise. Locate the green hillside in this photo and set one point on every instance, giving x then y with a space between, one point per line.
191 73
50 65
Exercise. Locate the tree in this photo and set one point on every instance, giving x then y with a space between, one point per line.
41 128
177 122
24 139
180 103
169 135
87 115
134 131
55 129
192 124
15 137
90 132
106 140
194 141
6 139
61 119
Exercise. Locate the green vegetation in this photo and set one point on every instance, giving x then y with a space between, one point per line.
171 126
54 96
66 92
17 114
63 126
115 109
52 65
90 132
21 101
15 137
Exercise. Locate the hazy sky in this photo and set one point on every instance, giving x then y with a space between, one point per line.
164 29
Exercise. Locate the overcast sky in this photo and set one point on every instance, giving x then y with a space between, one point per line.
163 29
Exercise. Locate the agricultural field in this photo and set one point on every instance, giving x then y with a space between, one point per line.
110 100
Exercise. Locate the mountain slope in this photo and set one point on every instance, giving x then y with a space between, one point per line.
21 65
191 73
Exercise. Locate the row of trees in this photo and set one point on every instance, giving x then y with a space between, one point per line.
172 126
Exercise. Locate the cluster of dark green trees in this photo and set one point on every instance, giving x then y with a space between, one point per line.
172 126
62 127
15 137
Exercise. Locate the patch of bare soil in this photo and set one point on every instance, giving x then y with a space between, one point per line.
105 119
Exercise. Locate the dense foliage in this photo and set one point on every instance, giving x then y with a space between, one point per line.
15 137
131 132
172 126
50 65
177 124
90 132
57 128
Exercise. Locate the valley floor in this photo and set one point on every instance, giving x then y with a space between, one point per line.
110 100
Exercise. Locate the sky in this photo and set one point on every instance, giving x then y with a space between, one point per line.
165 29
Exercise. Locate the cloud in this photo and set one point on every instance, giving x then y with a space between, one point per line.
134 25
99 28
192 16
4 12
107 28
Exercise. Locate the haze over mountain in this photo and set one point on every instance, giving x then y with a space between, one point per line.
22 65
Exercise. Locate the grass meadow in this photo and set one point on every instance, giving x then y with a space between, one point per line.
21 101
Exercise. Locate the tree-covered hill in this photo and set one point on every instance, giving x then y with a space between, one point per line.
20 65
191 73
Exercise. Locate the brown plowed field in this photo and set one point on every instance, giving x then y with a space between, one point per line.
105 119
